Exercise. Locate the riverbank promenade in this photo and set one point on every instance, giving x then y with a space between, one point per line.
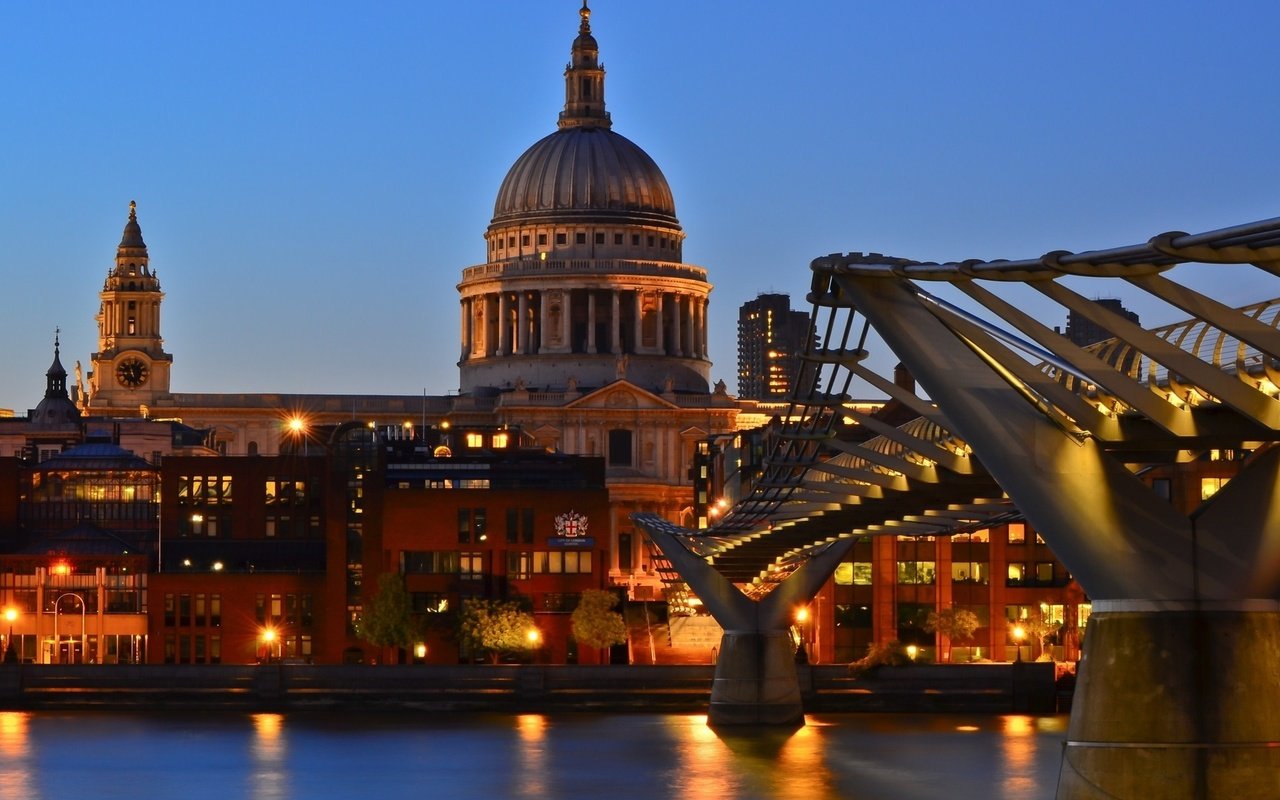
993 688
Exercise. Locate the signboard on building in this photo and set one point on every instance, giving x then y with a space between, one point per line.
571 531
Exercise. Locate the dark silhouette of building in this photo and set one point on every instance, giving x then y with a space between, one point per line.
1083 331
771 339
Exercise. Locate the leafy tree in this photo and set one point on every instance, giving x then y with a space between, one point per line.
1041 628
594 621
387 619
957 624
495 627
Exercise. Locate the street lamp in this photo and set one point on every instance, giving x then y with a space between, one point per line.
1019 633
10 652
269 638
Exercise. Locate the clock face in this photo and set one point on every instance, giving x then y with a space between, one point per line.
131 372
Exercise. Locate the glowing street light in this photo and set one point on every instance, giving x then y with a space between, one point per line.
269 638
534 636
1019 633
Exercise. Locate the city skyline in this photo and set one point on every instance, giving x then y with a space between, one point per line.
311 184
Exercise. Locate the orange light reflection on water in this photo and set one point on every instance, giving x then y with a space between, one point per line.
269 778
532 755
15 756
1018 746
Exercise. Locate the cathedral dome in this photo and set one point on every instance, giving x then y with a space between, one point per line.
584 171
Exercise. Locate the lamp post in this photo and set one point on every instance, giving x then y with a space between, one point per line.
269 638
57 635
1019 633
10 652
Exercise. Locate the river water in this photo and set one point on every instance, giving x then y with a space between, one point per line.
55 755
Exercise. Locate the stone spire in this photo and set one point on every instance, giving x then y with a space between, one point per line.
584 81
131 255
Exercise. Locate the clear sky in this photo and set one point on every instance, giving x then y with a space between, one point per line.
312 177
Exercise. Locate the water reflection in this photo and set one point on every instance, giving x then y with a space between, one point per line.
269 776
15 755
1018 745
467 756
531 756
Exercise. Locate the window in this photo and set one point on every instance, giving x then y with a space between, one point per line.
620 447
519 564
1017 575
561 238
580 238
1044 572
1017 533
471 565
617 238
501 440
599 238
970 572
475 440
542 238
428 602
519 525
916 572
857 573
472 525
635 240
428 562
562 561
1211 486
560 602
511 241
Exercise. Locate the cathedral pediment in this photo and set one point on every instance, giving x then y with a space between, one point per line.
622 394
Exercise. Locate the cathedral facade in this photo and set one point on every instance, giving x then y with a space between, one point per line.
583 329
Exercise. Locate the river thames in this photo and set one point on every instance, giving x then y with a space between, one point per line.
192 755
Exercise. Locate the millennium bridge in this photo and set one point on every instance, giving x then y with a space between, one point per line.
1178 692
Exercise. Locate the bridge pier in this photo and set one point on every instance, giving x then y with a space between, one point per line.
755 681
1176 703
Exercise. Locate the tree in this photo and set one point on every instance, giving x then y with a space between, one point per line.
496 627
387 620
956 624
594 621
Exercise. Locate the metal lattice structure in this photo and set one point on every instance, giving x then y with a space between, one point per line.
1144 397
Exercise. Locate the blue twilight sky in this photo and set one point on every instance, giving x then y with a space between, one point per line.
312 177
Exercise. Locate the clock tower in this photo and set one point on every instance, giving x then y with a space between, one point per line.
131 368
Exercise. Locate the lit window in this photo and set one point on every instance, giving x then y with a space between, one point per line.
500 440
1211 486
475 440
1017 533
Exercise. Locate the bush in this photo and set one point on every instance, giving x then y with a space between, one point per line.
892 653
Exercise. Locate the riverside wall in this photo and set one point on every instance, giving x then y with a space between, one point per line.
983 688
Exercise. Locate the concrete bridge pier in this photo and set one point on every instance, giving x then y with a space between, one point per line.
755 681
1177 703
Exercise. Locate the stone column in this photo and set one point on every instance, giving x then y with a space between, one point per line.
542 326
504 324
566 321
464 333
639 322
522 325
616 324
659 327
591 321
677 341
702 328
